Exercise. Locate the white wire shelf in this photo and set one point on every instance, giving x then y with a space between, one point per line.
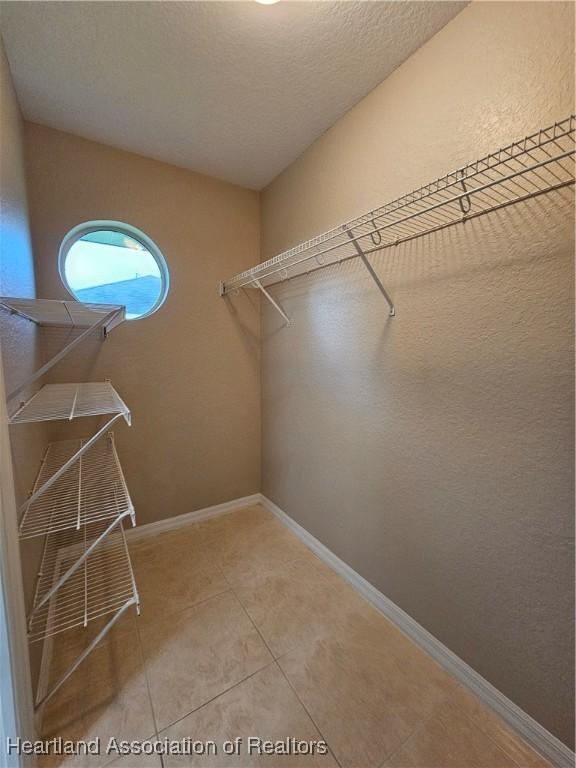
71 401
532 166
80 499
92 489
103 583
73 315
64 314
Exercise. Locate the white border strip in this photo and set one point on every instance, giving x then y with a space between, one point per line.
531 731
525 726
172 523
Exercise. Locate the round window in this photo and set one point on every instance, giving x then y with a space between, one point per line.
107 262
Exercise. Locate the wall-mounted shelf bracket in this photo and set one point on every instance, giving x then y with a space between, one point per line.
85 575
62 314
538 164
370 269
277 307
80 499
70 401
40 700
66 466
73 568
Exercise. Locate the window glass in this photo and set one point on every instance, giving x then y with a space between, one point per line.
114 266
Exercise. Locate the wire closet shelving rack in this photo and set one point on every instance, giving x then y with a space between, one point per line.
532 166
80 499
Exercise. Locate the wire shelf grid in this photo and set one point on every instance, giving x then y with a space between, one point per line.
102 584
71 401
534 165
64 314
92 489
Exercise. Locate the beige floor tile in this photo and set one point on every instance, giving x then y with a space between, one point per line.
242 523
495 728
64 648
186 538
136 761
174 573
375 696
198 653
106 697
296 602
255 551
263 706
366 687
449 740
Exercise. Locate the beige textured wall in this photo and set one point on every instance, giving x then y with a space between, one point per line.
433 452
18 338
16 274
189 372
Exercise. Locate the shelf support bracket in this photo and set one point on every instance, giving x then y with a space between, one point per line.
51 480
373 274
73 568
63 352
274 303
74 666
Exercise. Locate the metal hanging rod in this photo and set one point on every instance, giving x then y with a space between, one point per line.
534 165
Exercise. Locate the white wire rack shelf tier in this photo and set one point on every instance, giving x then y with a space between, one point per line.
101 584
64 314
532 166
91 490
88 319
71 401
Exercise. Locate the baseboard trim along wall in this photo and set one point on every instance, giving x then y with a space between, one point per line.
531 731
171 523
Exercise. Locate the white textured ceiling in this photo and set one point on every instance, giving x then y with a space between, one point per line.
236 90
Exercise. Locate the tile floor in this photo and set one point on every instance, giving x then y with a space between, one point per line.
244 632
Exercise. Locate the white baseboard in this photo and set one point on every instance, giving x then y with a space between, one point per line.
531 731
171 523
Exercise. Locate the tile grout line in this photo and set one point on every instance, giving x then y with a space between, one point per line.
332 751
487 735
407 739
217 696
188 607
221 693
138 631
148 688
275 661
118 758
426 720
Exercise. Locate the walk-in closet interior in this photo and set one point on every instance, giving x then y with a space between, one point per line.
287 384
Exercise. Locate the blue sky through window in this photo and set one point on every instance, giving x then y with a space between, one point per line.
123 273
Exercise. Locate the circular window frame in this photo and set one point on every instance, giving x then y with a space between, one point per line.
77 232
